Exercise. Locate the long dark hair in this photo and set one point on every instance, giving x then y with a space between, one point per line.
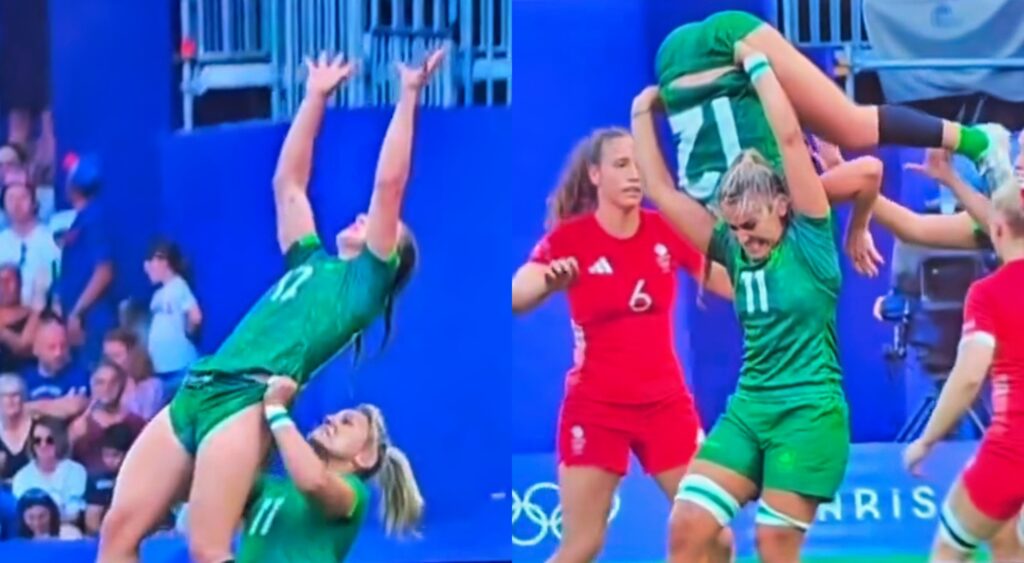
37 497
408 257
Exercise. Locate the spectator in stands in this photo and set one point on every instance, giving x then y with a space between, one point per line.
105 410
87 272
25 78
176 315
13 158
38 516
100 487
57 386
51 470
143 393
27 242
18 321
15 427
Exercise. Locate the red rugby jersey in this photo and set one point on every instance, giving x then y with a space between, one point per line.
621 306
992 314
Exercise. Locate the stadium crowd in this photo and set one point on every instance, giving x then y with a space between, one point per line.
80 374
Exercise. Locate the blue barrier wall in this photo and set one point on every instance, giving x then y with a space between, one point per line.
112 72
879 511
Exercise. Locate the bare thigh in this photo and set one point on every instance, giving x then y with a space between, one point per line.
227 464
818 101
155 474
586 495
973 521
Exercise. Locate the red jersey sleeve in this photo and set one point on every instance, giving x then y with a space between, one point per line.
684 254
546 249
979 314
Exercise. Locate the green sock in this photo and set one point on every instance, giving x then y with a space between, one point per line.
973 143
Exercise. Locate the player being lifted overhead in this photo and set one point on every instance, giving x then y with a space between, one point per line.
715 114
784 436
213 433
625 392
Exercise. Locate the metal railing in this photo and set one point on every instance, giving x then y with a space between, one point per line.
234 44
840 24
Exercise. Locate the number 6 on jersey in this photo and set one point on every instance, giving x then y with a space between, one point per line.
640 301
756 290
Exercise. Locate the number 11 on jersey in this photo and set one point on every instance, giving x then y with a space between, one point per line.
756 290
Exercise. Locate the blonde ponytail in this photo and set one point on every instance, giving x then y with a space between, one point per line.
401 504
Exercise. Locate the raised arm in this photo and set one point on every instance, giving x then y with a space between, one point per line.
291 179
933 230
805 188
684 213
395 159
938 166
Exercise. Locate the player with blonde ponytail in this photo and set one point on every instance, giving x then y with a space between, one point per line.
315 512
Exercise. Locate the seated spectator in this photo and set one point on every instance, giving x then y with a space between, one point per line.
143 393
100 488
57 386
106 410
38 516
13 158
175 316
87 262
51 470
18 321
15 427
27 243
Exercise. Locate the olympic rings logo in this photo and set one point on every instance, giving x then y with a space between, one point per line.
539 505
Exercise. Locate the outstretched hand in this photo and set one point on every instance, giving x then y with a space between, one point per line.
937 165
415 78
326 75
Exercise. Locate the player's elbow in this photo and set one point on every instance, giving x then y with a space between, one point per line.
312 483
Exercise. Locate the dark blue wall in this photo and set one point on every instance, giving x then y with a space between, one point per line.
112 74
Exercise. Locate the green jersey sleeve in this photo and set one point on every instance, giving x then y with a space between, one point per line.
302 250
723 247
815 242
361 497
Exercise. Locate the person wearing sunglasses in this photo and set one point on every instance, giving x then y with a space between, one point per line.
50 470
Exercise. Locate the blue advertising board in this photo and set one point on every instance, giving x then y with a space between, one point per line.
881 509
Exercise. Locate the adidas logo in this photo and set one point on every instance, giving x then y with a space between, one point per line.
601 268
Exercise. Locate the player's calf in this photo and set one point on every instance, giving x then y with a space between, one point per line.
702 509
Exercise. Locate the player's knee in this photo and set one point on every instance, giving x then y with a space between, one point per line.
203 550
723 545
691 529
953 534
778 535
580 548
119 536
776 543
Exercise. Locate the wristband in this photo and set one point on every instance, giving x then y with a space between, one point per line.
277 416
755 66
